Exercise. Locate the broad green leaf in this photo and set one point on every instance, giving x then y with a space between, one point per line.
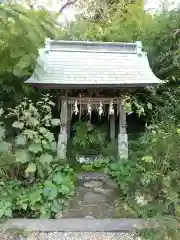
53 146
22 156
50 192
24 61
43 130
46 158
148 159
58 178
8 212
17 54
35 148
19 125
35 197
2 133
34 122
5 147
51 103
56 206
30 133
1 111
55 122
64 189
46 145
178 130
49 136
45 213
31 168
127 107
37 140
19 72
149 105
140 111
21 140
24 206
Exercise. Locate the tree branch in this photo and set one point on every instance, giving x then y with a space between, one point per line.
67 4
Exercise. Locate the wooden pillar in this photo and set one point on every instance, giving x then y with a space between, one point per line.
69 121
122 136
112 127
62 139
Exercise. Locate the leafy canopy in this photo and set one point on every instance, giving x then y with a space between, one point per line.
22 33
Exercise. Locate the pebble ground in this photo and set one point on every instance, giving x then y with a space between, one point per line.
70 236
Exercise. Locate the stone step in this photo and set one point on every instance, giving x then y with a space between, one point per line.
73 225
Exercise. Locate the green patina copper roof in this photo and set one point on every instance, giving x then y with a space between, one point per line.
79 63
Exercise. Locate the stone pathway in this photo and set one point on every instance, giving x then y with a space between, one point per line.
97 196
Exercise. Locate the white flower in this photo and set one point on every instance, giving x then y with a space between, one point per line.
111 109
76 110
100 109
89 108
81 159
140 200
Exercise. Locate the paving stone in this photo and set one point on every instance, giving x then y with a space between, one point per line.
93 184
89 217
102 190
91 197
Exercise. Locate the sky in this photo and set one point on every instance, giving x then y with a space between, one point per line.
69 13
157 4
151 5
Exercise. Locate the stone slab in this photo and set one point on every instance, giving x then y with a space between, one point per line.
73 225
96 176
91 197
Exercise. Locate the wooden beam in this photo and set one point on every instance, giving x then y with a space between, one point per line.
93 100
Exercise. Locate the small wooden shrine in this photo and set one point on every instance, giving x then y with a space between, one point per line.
91 76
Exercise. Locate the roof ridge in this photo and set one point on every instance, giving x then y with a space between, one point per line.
94 45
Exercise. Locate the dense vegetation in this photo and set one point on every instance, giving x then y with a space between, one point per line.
32 183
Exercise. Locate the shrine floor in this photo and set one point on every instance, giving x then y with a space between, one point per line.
97 196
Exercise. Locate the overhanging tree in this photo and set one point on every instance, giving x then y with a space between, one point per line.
22 33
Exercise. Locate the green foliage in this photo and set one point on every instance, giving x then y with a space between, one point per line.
31 183
161 39
28 28
110 150
42 199
8 167
124 22
100 163
150 179
167 228
35 146
121 172
88 137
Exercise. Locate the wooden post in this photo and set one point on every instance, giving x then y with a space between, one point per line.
122 136
69 121
112 127
62 139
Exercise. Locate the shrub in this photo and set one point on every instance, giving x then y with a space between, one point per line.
100 163
43 198
151 177
34 146
88 137
9 169
32 182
